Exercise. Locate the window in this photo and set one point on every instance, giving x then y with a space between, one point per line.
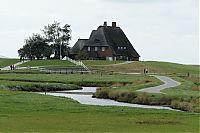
124 47
118 47
103 48
88 48
96 48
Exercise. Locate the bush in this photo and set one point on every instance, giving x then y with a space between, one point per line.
127 97
102 93
114 95
42 87
142 98
185 106
182 103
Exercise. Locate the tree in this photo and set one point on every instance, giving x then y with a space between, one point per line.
35 47
21 52
58 38
82 55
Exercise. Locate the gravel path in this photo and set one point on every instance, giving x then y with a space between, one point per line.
168 83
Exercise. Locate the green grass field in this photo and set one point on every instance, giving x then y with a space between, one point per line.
47 63
7 62
84 80
29 112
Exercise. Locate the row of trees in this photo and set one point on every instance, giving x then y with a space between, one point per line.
54 40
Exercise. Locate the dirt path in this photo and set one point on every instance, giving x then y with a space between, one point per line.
168 83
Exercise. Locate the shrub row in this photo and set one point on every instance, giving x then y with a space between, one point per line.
42 87
186 104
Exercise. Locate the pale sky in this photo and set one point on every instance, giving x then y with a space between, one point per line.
162 30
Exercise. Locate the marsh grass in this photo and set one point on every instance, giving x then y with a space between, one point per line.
36 87
176 98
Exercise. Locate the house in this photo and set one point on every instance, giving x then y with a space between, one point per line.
106 43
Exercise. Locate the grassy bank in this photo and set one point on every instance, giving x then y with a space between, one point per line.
25 71
182 97
7 62
83 79
36 86
29 112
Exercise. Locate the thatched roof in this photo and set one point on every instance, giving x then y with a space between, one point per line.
78 46
110 36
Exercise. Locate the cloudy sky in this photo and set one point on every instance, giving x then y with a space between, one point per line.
164 30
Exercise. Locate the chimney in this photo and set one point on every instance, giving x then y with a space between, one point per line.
114 24
105 23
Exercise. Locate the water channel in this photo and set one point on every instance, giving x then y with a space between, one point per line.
84 96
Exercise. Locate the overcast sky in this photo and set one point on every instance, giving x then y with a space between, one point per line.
164 30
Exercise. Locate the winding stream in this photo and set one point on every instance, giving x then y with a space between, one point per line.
84 96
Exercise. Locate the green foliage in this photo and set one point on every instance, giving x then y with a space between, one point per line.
58 37
35 47
82 55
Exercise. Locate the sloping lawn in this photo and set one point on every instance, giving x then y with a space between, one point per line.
7 62
153 67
